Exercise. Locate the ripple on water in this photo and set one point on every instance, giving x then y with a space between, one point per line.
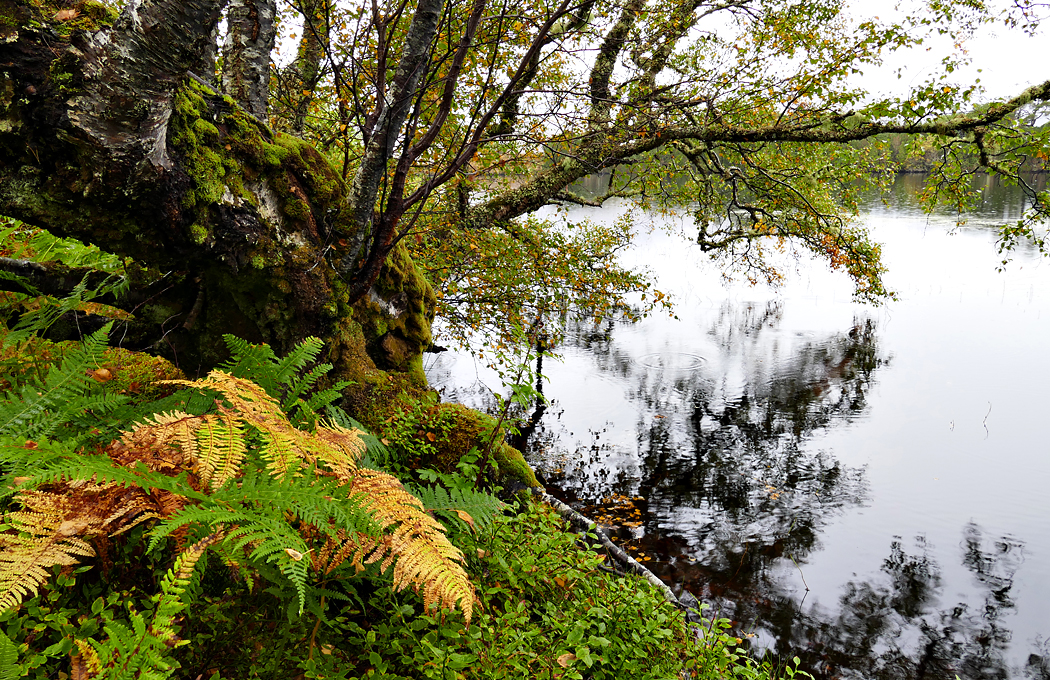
671 361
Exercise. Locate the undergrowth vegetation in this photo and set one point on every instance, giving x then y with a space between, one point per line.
238 526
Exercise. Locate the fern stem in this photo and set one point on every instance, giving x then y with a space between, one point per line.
313 633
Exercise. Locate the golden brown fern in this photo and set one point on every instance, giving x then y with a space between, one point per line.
53 528
55 524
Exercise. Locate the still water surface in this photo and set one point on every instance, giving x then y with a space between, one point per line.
865 488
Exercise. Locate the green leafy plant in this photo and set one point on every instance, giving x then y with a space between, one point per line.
41 407
547 610
286 379
34 312
280 504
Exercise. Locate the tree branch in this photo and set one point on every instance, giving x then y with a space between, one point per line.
251 37
548 183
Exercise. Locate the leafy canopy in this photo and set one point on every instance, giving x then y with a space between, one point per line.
740 112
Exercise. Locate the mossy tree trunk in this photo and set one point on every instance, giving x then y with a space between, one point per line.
110 133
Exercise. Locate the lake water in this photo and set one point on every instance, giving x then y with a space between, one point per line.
865 488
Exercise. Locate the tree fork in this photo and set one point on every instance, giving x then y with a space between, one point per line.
111 139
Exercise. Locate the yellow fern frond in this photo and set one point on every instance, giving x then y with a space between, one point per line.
281 452
52 527
418 548
84 664
220 439
345 448
42 536
244 396
175 584
286 447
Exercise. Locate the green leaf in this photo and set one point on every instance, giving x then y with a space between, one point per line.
9 669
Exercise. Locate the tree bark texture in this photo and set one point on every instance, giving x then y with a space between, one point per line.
249 41
110 136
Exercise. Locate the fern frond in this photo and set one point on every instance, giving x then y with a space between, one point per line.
476 508
40 408
85 662
131 652
222 448
301 355
374 448
251 361
268 537
21 459
40 538
418 549
168 439
174 584
8 658
322 502
304 383
101 470
43 316
283 379
319 400
52 527
345 447
212 516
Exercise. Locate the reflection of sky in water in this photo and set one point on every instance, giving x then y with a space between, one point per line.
896 455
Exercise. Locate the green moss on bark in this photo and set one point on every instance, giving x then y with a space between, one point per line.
397 315
64 18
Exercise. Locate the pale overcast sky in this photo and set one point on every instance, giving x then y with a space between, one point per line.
1010 60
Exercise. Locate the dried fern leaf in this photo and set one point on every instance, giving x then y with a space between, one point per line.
166 440
418 548
40 538
84 664
52 526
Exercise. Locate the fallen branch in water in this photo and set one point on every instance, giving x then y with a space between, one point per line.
577 520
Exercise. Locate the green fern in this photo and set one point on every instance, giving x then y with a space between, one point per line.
276 502
140 650
33 243
255 514
376 453
40 246
38 320
56 462
40 408
285 379
481 508
8 659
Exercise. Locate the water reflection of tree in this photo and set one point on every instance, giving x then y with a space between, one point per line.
731 486
733 489
735 493
896 624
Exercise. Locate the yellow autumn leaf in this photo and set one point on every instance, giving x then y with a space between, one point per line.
466 518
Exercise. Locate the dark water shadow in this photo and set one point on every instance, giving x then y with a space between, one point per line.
726 496
899 624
